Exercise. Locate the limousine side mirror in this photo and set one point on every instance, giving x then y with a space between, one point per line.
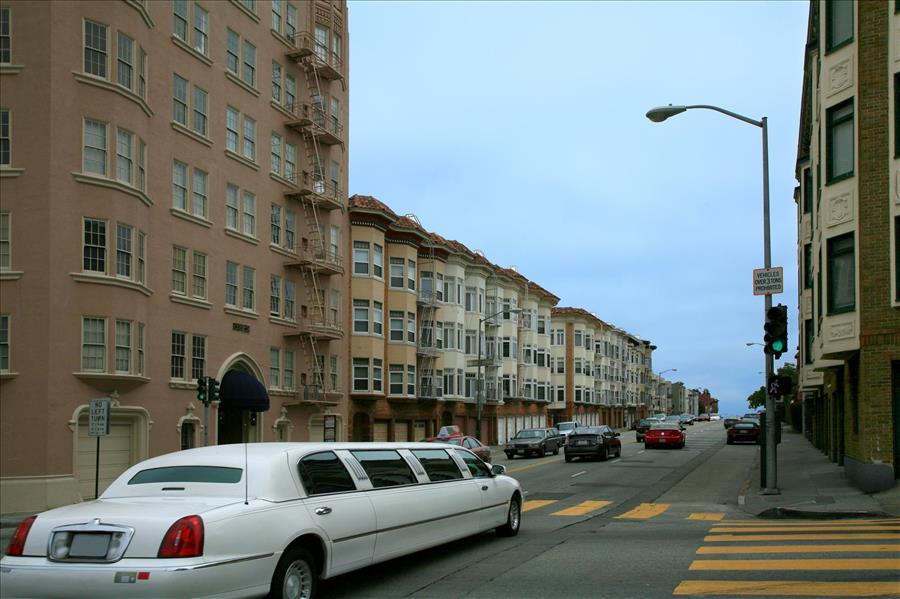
498 469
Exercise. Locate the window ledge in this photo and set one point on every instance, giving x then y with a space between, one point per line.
287 113
11 69
177 212
111 376
282 180
192 134
284 252
241 159
10 172
241 83
282 321
11 275
246 10
242 313
92 179
241 236
190 50
113 87
190 301
281 38
8 375
143 11
84 277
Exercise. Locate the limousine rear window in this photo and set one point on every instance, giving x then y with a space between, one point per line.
187 474
385 467
438 464
323 473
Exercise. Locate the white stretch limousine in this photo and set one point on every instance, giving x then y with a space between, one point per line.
258 519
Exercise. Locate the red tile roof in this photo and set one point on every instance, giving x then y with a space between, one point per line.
370 203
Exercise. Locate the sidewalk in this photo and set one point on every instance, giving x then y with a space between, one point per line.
812 486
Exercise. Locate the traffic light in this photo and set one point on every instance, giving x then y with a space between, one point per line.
201 389
213 389
776 330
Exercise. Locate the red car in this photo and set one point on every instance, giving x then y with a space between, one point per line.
664 434
743 432
470 443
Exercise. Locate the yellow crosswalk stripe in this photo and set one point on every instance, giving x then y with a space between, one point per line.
847 548
802 537
703 516
755 523
533 504
645 510
798 564
787 588
824 528
582 508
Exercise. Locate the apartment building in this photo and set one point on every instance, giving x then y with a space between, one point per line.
848 229
172 178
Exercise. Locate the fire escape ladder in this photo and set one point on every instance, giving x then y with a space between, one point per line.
428 355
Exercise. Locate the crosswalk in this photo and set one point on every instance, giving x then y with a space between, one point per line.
797 559
643 511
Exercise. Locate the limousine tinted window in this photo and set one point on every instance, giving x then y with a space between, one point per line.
324 473
187 474
438 464
476 466
385 468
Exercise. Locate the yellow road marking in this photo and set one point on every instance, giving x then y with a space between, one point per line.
645 510
780 588
804 528
754 523
804 537
533 504
701 516
723 549
582 508
798 564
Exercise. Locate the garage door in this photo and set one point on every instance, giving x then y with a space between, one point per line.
117 454
380 431
401 431
501 431
419 429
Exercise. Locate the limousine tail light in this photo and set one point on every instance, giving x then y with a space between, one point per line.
17 542
183 539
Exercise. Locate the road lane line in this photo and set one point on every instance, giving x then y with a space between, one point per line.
865 528
706 516
644 511
848 548
533 504
786 588
892 563
754 523
577 474
582 508
803 537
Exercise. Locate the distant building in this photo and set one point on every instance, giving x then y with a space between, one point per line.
848 230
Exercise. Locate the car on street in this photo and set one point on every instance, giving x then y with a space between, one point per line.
675 419
743 432
730 421
642 427
703 418
566 428
665 434
470 443
534 441
687 419
258 519
751 416
714 417
593 442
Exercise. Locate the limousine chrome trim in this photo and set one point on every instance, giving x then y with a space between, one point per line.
223 562
76 567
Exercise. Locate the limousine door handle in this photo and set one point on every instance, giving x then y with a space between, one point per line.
484 487
321 511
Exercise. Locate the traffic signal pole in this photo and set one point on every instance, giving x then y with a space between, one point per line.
771 482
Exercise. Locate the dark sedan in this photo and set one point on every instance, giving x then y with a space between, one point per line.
743 432
642 427
534 441
593 442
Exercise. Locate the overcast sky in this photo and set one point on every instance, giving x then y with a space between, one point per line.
518 129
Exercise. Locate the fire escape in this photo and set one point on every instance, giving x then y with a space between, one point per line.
316 188
427 350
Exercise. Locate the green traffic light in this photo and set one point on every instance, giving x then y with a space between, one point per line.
778 345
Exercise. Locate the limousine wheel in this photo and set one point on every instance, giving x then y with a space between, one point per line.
513 519
295 577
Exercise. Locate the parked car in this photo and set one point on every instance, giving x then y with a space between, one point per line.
252 519
566 428
703 418
642 427
743 432
675 419
687 419
730 421
715 417
470 443
593 442
664 434
534 441
751 416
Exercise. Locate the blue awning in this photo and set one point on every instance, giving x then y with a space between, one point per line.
240 391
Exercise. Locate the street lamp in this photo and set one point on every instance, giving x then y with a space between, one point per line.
659 383
749 343
479 396
658 115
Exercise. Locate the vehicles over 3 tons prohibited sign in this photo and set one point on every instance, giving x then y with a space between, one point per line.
768 281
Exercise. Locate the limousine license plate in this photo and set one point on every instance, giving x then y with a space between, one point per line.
89 545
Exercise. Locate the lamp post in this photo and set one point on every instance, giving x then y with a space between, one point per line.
749 343
658 115
659 382
479 395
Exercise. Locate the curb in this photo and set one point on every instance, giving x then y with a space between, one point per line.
776 513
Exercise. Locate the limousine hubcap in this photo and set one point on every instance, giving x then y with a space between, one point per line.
298 581
514 515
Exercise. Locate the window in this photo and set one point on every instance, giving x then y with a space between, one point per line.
240 204
249 73
410 327
125 61
360 316
438 464
199 181
198 275
276 15
5 139
5 38
840 141
94 253
896 115
5 241
201 30
807 190
231 284
808 338
378 261
199 113
396 379
249 280
290 161
838 23
360 374
287 380
477 468
385 468
124 236
290 295
232 52
4 342
179 185
276 154
323 473
240 58
896 258
396 325
841 274
93 344
411 275
249 147
378 318
274 366
232 118
289 230
360 257
179 270
249 214
124 156
199 188
396 266
276 224
410 380
94 155
95 50
198 356
807 266
180 19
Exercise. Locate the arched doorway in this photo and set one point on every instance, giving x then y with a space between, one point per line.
242 399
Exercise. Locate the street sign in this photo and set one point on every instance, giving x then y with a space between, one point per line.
330 428
768 281
98 419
